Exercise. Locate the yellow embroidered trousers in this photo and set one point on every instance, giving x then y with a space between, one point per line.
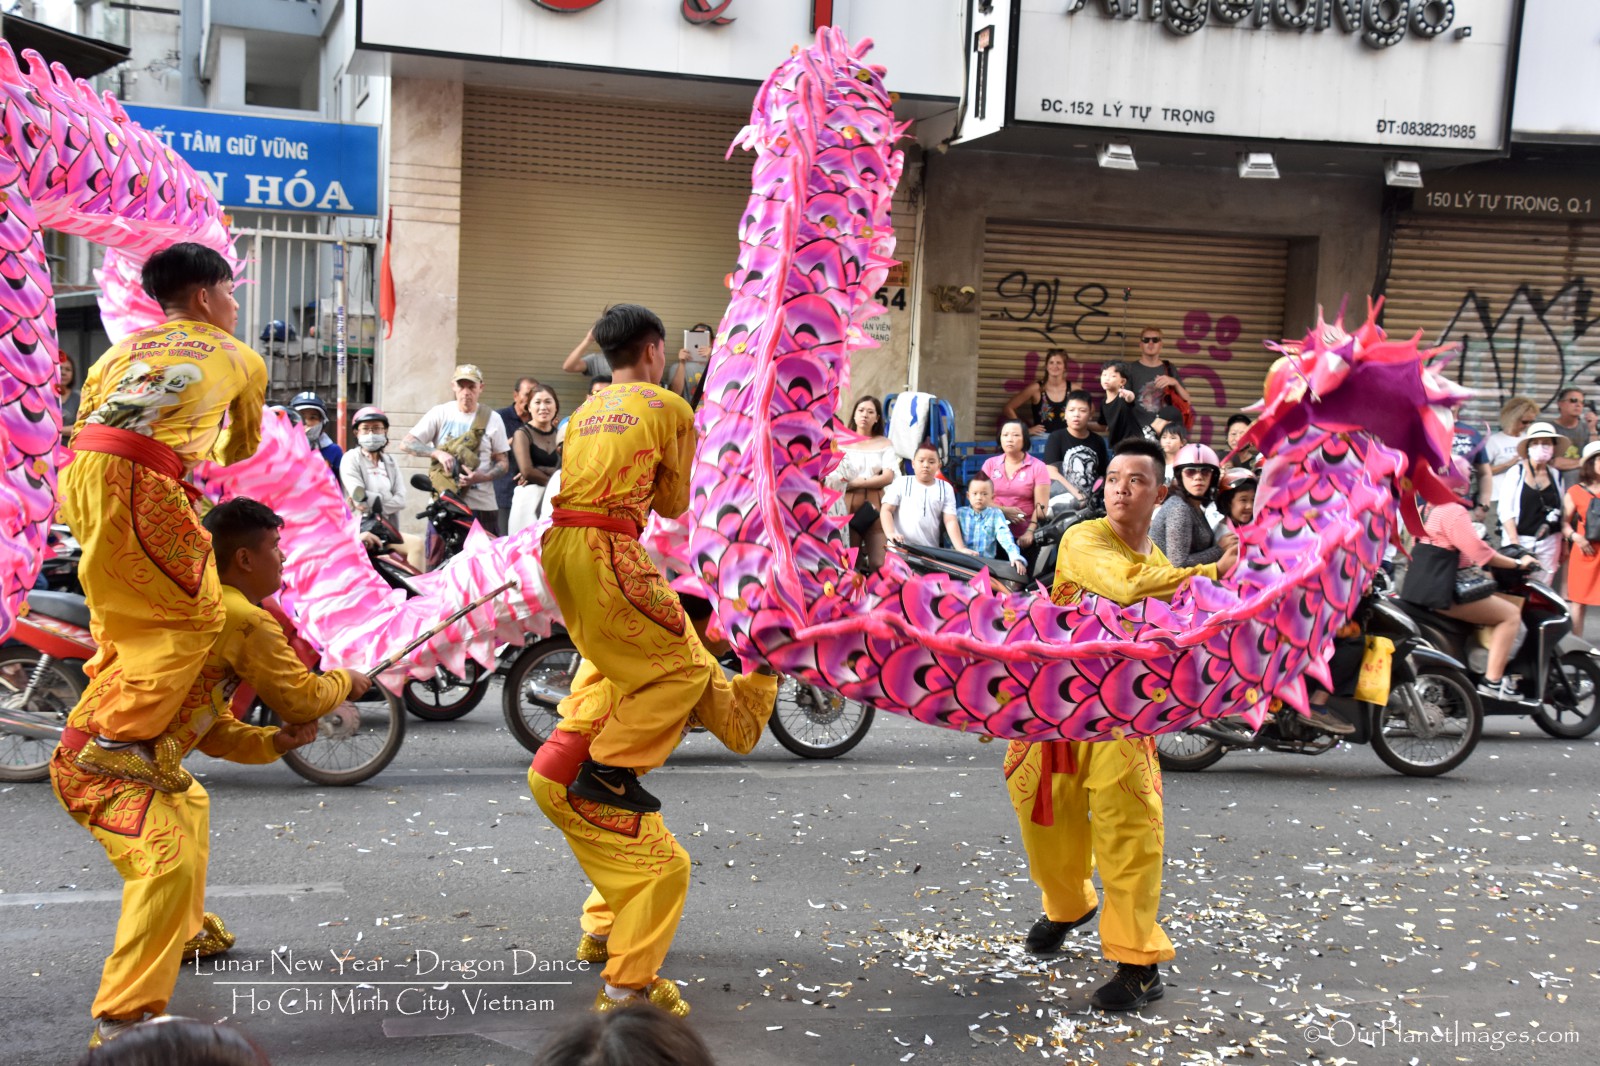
1105 803
640 875
160 843
155 603
627 622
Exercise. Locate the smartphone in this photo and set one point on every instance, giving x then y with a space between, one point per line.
697 342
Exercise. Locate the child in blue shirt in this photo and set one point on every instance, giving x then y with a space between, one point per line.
984 525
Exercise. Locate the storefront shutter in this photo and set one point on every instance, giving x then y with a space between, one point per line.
1215 298
1512 293
568 205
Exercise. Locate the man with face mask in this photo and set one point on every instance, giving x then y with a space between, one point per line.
372 471
314 420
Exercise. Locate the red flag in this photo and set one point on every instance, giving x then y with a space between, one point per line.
386 280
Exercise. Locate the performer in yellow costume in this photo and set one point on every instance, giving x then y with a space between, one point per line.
152 407
160 841
639 870
628 451
1082 805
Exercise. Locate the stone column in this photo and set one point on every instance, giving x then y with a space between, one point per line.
425 258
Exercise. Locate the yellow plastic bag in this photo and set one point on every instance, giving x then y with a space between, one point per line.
1376 664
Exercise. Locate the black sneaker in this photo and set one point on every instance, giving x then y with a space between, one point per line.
1047 936
1130 988
616 786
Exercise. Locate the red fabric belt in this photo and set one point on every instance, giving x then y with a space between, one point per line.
559 757
73 738
1055 757
136 448
561 516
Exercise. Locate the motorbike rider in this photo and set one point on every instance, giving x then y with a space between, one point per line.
1449 526
1180 528
1236 499
313 414
372 471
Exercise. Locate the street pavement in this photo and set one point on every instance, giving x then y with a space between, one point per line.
864 910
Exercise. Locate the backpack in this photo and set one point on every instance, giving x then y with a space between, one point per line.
1591 519
1175 398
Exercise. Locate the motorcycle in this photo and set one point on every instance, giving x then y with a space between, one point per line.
1562 668
1429 721
808 721
41 679
60 569
441 697
448 517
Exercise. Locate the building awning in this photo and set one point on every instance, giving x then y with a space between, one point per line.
84 57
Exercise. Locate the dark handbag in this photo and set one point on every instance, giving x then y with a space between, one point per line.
1474 583
1431 577
1591 519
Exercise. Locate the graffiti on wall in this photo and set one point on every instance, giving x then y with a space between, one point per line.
1086 316
1531 345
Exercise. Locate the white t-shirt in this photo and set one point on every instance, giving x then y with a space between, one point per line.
920 509
448 420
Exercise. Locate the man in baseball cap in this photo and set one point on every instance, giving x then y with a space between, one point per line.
468 445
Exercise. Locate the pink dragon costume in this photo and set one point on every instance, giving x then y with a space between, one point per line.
1352 421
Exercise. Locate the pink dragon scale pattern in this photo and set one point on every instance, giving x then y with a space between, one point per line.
1352 421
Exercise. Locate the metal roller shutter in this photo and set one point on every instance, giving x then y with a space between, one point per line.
1512 293
1216 298
568 205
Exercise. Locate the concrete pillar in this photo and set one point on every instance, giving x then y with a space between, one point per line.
225 91
425 256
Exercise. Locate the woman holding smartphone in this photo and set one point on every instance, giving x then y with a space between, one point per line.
689 376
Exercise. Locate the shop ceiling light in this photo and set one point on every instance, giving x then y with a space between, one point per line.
1403 172
1116 155
1257 165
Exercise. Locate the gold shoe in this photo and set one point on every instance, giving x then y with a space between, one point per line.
592 950
108 1029
662 994
157 763
212 939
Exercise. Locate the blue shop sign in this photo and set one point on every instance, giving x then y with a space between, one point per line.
273 164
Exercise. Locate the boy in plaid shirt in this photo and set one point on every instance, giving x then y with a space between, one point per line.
983 525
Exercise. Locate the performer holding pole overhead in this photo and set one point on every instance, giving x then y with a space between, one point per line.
629 450
154 406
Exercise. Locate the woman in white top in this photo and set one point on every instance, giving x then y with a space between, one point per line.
374 472
1530 497
867 465
1500 447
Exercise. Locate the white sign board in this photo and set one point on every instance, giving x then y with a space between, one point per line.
1373 72
1558 78
919 41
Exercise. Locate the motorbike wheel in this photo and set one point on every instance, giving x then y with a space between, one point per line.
444 697
1187 752
539 678
1571 698
26 758
814 723
1451 721
354 741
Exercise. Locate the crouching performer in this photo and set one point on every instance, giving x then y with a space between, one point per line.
639 870
159 841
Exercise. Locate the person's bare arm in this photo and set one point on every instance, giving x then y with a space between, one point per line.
952 526
1027 395
886 518
524 453
573 363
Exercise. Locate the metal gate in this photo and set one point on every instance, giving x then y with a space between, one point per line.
288 302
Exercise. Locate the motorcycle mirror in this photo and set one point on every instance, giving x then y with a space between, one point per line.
421 481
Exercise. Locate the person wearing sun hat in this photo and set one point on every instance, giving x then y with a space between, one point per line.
1529 497
1583 564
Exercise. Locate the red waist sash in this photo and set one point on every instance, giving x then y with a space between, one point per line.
136 448
561 516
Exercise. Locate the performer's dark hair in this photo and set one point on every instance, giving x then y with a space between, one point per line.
628 1036
625 331
172 274
1147 448
177 1042
239 523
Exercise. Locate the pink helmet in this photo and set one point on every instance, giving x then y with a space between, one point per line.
1197 455
1457 474
370 414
